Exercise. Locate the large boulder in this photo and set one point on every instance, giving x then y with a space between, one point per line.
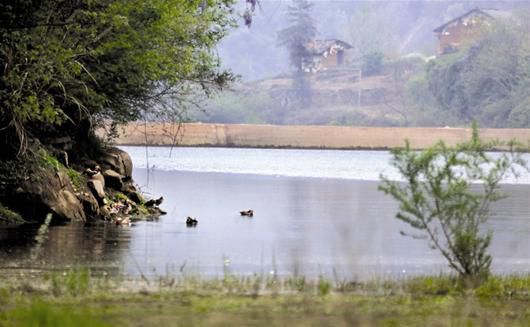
68 206
113 179
99 177
90 204
47 191
117 160
97 188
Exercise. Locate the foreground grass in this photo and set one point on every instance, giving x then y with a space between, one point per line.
76 299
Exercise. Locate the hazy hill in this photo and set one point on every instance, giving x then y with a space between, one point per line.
393 27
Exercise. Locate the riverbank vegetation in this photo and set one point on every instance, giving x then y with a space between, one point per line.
446 195
76 298
70 67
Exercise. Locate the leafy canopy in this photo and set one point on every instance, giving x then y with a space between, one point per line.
64 62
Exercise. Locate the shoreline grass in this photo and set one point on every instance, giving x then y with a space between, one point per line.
75 297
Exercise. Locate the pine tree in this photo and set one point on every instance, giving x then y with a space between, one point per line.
295 37
299 33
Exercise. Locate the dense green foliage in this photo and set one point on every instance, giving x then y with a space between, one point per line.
438 198
67 66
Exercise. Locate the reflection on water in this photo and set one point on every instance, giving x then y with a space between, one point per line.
305 225
302 224
100 246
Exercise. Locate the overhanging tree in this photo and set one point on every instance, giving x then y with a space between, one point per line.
69 66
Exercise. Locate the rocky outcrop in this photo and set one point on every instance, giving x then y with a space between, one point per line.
113 179
90 204
107 193
97 188
44 192
118 161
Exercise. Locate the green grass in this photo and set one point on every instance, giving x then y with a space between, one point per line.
79 181
120 196
75 298
50 161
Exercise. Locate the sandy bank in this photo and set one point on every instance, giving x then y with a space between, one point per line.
332 137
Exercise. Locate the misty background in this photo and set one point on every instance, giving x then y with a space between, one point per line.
400 93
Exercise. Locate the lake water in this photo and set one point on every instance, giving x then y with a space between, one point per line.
316 212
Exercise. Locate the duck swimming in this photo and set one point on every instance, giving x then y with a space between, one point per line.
248 213
191 222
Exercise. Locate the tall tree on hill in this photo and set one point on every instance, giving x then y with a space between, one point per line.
295 37
299 33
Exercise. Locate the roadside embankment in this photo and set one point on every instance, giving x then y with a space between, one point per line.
330 137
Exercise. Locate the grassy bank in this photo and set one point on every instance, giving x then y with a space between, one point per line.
76 299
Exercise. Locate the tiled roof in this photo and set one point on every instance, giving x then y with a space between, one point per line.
491 13
319 47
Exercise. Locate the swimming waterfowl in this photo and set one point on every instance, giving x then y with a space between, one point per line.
191 222
248 213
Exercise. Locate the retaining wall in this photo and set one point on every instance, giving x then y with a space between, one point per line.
332 137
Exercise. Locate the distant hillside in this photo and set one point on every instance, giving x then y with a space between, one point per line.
392 27
338 97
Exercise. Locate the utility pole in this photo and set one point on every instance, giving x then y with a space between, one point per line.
359 89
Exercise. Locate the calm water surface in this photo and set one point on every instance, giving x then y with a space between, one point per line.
316 212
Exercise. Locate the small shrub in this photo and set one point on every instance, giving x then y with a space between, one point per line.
79 181
324 286
438 199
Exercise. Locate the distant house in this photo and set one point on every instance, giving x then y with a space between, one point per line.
451 34
326 54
